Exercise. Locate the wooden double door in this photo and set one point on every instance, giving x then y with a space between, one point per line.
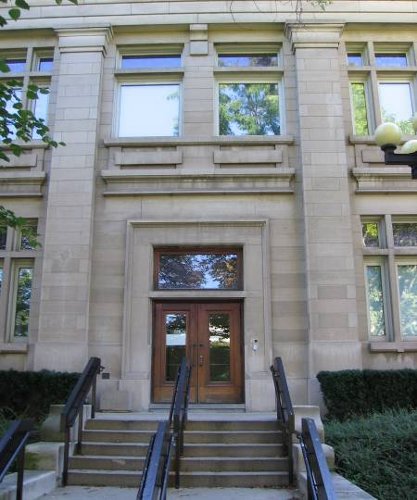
209 335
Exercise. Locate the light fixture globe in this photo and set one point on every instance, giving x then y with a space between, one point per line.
409 147
388 134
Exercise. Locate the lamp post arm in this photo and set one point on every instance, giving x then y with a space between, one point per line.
392 158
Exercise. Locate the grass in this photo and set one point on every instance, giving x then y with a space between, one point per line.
378 453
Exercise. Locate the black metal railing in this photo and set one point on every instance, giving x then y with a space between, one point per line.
178 414
285 412
12 447
319 481
74 408
170 434
155 473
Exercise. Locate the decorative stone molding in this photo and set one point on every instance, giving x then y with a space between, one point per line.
90 39
21 184
199 39
314 35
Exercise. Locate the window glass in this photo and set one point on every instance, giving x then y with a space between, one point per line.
3 237
23 298
407 284
40 110
396 104
28 234
249 109
202 270
138 62
375 298
405 234
149 110
1 277
10 109
393 60
45 64
360 112
256 60
370 234
355 59
16 65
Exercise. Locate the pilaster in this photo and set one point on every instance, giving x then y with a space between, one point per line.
324 190
64 307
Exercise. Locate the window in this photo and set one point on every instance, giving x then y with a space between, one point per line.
29 67
382 86
198 269
17 258
149 93
390 254
249 91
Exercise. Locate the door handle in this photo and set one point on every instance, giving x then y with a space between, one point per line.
201 360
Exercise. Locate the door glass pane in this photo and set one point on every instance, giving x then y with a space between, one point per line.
407 284
375 296
396 104
405 234
176 335
219 345
23 298
199 271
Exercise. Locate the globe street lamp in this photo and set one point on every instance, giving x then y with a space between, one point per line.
388 137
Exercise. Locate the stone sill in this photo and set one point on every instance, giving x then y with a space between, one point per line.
199 141
13 348
398 347
389 179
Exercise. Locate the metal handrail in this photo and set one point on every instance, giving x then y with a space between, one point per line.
74 408
179 412
319 480
154 483
284 409
12 447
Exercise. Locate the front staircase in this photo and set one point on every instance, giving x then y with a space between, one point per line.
217 453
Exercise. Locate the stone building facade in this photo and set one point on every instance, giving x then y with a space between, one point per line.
170 225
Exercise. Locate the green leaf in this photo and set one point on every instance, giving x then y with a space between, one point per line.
4 68
22 4
14 14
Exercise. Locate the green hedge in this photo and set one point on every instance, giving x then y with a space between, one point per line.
378 453
348 393
29 394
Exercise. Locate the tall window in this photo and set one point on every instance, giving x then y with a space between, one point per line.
17 256
249 90
149 93
382 85
29 67
390 254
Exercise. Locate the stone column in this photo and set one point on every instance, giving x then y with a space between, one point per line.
65 286
324 190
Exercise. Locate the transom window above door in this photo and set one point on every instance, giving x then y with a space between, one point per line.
198 269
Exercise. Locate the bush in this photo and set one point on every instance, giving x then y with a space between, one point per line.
29 394
362 392
378 453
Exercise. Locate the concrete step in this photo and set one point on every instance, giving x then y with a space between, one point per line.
232 436
123 425
117 449
35 485
117 436
232 425
233 450
189 464
230 479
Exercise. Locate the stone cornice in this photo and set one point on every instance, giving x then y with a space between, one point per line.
314 35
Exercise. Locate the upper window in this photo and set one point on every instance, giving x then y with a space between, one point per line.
382 86
249 90
27 68
198 268
149 94
391 277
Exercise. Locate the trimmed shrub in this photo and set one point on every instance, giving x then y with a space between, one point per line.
378 453
347 393
29 394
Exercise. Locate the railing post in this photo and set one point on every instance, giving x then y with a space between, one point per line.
66 456
93 397
80 430
20 471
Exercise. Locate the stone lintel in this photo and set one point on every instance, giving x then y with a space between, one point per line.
90 39
314 35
